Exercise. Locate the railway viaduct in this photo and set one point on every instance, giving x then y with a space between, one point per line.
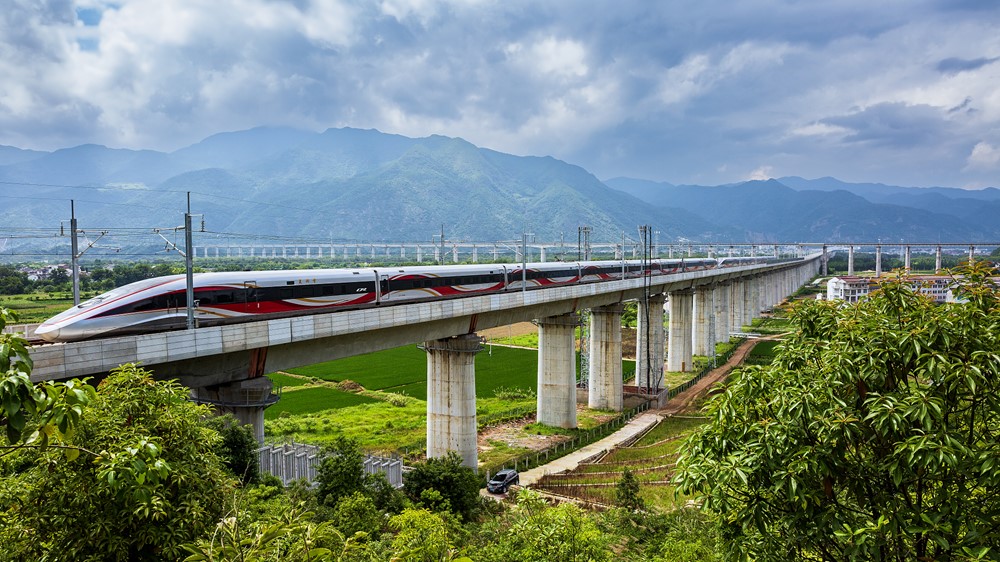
225 365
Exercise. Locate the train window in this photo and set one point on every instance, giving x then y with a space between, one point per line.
204 300
306 291
224 297
284 293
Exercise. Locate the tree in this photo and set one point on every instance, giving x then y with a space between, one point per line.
237 448
12 281
341 473
148 483
51 409
534 532
357 513
421 536
873 436
627 492
443 483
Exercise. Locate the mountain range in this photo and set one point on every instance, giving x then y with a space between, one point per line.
349 184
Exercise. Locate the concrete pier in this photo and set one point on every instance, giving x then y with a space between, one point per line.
557 370
605 382
649 373
906 259
679 355
736 306
850 260
937 260
451 397
878 260
246 400
722 293
702 342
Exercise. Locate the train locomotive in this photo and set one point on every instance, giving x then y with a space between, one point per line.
160 303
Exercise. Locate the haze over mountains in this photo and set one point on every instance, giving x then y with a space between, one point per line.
365 185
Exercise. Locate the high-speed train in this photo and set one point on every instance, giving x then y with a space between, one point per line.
160 303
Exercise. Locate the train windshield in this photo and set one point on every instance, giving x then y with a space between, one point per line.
114 293
127 289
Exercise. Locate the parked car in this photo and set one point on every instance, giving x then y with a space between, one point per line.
502 480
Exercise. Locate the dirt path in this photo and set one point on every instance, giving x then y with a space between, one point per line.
683 401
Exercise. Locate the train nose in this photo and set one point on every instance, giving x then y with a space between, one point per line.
47 332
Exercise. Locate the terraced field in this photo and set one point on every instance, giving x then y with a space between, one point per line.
651 458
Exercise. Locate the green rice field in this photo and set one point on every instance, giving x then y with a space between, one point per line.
315 399
404 370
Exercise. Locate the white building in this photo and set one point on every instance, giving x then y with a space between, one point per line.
852 288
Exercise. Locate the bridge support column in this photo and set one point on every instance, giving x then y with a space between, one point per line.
246 400
557 370
679 354
750 300
850 260
702 320
937 260
650 343
736 307
722 293
906 259
605 379
878 260
451 397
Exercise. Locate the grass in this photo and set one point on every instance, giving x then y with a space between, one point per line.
765 348
526 340
668 428
377 424
651 458
284 380
314 399
35 308
404 370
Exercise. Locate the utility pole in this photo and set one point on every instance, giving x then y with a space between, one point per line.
583 243
74 249
189 264
188 253
524 260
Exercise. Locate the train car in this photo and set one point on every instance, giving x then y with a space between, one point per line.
431 282
160 303
536 275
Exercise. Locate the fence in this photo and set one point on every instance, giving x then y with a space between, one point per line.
298 461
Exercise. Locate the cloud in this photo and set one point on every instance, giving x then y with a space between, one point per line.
761 173
891 124
955 65
689 91
984 156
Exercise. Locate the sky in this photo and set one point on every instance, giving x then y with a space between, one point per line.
904 92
